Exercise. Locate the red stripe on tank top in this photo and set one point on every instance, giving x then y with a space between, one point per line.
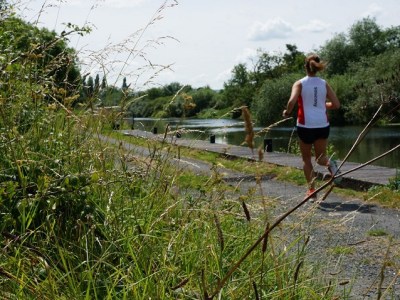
300 113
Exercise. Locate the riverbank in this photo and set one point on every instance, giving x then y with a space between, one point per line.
355 176
378 140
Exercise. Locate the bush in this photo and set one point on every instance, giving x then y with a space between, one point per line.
272 98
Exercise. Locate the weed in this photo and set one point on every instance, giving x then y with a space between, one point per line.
342 250
394 183
377 232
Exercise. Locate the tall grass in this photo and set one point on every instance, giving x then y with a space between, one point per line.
85 219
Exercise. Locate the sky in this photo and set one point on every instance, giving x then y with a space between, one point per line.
195 42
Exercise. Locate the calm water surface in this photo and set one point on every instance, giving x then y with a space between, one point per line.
226 131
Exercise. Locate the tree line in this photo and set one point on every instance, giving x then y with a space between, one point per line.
363 68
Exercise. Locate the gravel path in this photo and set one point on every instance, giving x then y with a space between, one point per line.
351 241
356 243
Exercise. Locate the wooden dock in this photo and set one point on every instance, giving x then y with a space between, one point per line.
360 179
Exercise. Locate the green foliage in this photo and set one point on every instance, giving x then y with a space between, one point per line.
377 82
238 91
377 232
40 50
394 183
272 98
344 87
365 39
203 98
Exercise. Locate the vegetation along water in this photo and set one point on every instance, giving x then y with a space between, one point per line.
228 131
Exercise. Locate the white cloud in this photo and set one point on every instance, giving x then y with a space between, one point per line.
315 26
373 11
272 29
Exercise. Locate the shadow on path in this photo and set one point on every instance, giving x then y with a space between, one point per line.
338 206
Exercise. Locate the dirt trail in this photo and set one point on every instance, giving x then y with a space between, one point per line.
351 241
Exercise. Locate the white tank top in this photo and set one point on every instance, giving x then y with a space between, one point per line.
311 103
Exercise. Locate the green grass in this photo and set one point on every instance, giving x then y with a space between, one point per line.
342 250
377 232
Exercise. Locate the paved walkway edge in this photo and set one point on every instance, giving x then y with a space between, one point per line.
361 179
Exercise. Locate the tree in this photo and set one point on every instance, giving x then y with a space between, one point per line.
154 93
89 87
392 37
338 54
238 91
272 98
97 83
364 39
293 59
376 82
203 98
265 67
103 83
171 89
124 84
42 50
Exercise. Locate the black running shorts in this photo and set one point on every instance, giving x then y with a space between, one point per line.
310 135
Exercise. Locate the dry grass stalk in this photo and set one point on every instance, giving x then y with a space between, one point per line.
265 241
383 268
246 211
219 233
260 154
255 291
297 272
180 284
248 126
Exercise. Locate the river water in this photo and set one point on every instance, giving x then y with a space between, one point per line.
232 132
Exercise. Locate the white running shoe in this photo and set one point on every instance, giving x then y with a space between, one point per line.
333 169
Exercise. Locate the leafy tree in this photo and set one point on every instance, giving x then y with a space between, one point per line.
203 98
337 53
97 83
154 93
238 91
392 37
293 59
89 87
111 96
272 98
104 83
171 89
364 39
266 66
26 46
124 84
376 82
343 85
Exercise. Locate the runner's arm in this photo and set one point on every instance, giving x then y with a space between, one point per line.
296 90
